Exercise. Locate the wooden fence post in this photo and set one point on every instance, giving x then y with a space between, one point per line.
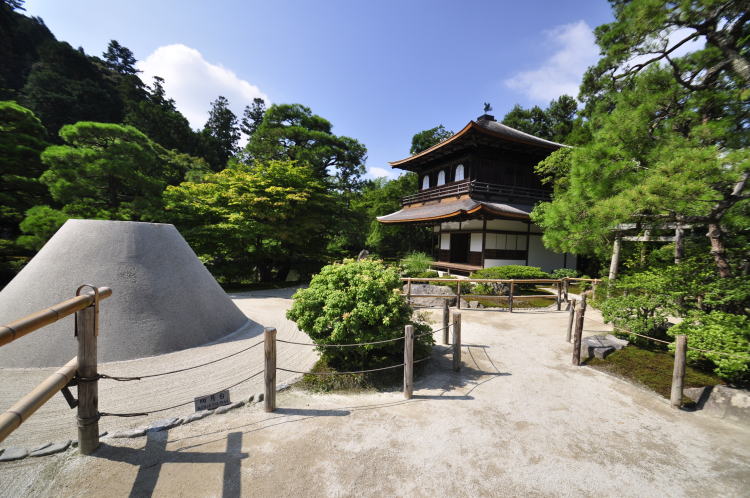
458 294
678 375
456 342
408 361
446 323
566 288
510 296
571 315
87 330
580 313
559 294
269 349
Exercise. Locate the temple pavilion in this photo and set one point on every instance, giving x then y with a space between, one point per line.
477 189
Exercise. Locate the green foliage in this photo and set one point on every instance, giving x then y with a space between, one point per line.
221 133
40 224
357 302
508 272
120 59
564 273
640 313
558 122
415 263
427 138
254 221
253 116
718 331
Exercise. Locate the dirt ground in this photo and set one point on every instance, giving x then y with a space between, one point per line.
518 420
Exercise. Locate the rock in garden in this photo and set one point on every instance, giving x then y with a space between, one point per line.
129 433
197 416
51 449
259 397
231 406
163 424
39 448
596 346
616 342
432 290
474 304
13 453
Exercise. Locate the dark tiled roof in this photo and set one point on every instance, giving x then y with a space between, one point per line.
447 210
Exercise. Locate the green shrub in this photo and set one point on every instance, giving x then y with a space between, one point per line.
415 263
723 332
505 273
639 313
356 302
564 273
426 274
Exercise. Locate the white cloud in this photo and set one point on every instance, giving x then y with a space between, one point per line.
375 172
194 83
561 72
673 38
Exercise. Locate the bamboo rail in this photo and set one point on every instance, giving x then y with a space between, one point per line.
84 365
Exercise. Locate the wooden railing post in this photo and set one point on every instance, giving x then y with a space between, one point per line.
87 330
269 376
510 296
678 375
566 289
571 315
408 361
580 313
456 341
559 294
446 322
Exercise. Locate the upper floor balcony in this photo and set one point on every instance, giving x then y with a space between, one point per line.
506 193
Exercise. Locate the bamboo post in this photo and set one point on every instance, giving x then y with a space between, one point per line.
408 361
678 376
571 315
269 376
510 296
580 314
408 290
87 329
456 341
446 318
559 294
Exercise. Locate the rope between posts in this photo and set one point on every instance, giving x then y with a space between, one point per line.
350 372
149 412
721 353
126 379
339 345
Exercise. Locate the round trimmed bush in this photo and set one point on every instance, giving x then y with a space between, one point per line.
357 302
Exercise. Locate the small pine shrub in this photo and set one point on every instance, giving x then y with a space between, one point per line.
564 273
415 263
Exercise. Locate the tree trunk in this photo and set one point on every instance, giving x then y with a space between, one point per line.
718 250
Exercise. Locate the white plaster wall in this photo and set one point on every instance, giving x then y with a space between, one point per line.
509 241
472 225
476 242
445 241
518 226
502 262
450 225
544 258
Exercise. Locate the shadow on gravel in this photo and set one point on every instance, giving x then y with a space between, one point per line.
150 459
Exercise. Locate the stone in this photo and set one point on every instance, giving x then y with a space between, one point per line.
602 353
39 448
197 416
464 304
51 449
231 406
163 424
259 397
474 304
282 387
596 346
429 289
616 342
728 403
129 433
250 399
13 453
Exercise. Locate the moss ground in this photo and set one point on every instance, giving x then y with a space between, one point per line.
651 368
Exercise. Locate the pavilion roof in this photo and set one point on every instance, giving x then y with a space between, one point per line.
484 126
454 209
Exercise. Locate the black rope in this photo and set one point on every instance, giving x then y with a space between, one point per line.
145 413
350 372
340 345
126 379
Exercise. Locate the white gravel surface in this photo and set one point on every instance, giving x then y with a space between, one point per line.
518 420
56 421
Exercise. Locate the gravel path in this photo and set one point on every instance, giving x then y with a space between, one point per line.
56 421
518 420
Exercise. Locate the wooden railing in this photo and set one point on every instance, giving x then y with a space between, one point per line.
560 296
474 186
83 367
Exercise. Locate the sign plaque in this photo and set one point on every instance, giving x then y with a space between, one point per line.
211 401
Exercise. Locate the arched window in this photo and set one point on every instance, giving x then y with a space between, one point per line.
459 173
426 182
441 178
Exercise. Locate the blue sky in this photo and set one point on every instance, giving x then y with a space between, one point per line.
380 71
